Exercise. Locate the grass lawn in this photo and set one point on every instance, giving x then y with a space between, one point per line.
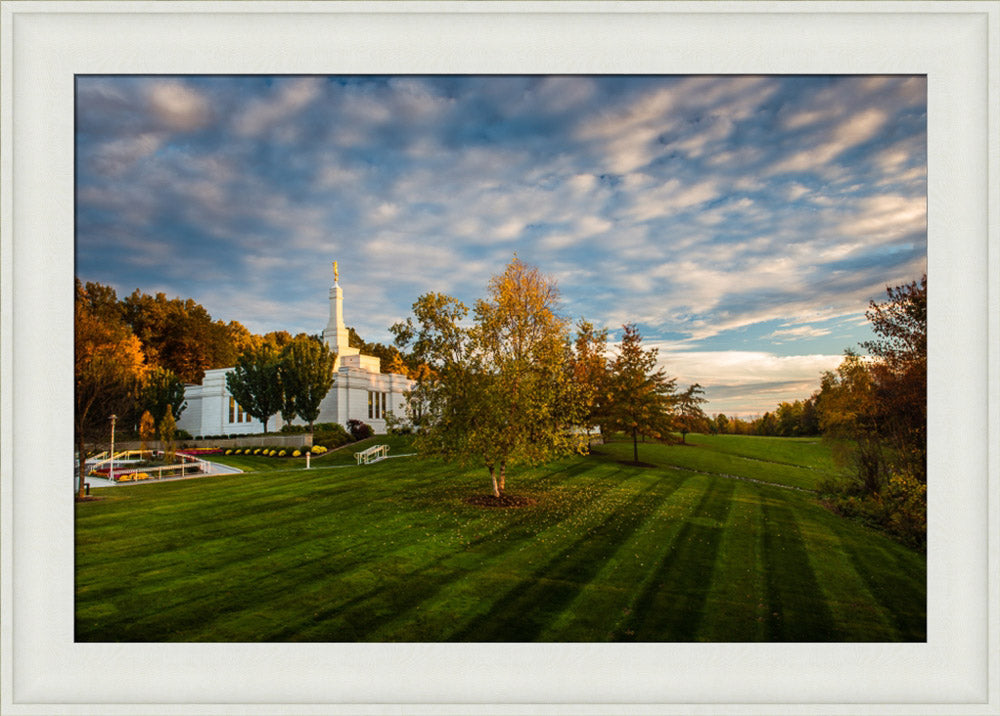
682 551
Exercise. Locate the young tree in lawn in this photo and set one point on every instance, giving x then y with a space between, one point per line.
690 416
498 393
642 397
439 345
109 366
589 368
529 403
255 383
307 375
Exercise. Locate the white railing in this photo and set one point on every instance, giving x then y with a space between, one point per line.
372 454
104 460
188 465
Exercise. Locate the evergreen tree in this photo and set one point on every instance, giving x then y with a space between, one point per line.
590 372
691 417
642 398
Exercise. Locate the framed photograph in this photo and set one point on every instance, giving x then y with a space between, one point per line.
69 73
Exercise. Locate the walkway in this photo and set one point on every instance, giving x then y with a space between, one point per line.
214 468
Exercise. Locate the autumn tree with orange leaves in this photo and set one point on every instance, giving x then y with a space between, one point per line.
109 368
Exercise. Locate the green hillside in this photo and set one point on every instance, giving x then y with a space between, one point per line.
696 548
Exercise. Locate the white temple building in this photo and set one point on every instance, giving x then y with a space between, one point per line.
360 390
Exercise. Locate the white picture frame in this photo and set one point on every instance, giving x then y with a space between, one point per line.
45 44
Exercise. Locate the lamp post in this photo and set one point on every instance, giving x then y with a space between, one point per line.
111 470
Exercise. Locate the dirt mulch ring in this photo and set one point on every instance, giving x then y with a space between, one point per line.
89 498
502 501
636 464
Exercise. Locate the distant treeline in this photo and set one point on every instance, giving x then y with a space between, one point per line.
797 419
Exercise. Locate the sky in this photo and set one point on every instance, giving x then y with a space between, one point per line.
743 223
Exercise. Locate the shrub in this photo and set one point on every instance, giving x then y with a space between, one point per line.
294 429
273 453
330 435
230 451
297 453
282 454
359 430
256 451
317 449
183 435
899 509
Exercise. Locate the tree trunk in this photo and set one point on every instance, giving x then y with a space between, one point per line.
493 477
83 466
635 447
503 477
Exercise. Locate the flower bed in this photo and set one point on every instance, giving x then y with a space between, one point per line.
274 451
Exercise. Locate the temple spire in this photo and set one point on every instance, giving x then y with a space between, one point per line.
336 335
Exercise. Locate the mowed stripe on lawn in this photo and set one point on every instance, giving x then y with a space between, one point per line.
391 552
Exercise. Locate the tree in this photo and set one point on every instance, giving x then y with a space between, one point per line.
789 418
809 421
255 383
173 333
499 392
439 347
589 368
690 416
849 418
162 390
307 375
167 430
147 429
875 409
641 396
109 366
721 423
899 372
528 401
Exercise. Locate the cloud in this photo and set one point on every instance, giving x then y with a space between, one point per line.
653 199
266 112
747 382
887 217
800 332
177 106
119 155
